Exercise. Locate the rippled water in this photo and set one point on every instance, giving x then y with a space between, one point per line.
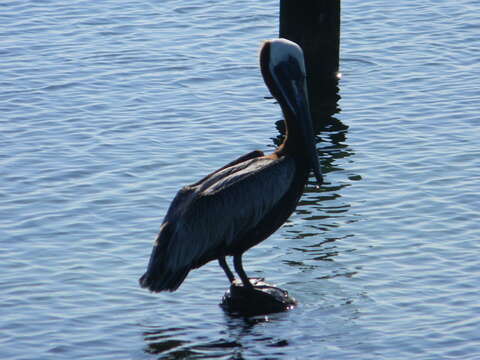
109 107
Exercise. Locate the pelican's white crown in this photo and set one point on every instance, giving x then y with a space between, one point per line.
282 49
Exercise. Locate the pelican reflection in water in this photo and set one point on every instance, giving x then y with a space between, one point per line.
243 203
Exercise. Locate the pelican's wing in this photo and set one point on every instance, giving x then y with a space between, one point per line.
243 158
205 218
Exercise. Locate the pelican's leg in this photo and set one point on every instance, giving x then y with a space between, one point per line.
224 266
237 264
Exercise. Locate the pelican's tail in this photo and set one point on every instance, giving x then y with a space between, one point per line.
161 274
157 279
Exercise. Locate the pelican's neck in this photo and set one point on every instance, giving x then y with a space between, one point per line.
283 70
292 143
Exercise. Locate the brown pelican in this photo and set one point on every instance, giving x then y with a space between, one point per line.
238 206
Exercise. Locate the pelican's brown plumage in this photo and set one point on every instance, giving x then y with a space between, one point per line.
236 207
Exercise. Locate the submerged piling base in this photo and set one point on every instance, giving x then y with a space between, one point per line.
263 299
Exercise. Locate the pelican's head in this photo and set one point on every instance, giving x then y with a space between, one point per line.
283 69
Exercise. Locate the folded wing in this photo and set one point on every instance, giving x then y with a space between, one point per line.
209 216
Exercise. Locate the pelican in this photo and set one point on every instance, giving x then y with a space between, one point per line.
241 204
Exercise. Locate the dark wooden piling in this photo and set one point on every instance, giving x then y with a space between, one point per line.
315 26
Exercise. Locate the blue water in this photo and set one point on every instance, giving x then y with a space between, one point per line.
109 107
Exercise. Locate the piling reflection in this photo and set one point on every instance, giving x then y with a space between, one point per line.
323 210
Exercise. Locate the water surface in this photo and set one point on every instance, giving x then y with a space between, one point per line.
109 107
